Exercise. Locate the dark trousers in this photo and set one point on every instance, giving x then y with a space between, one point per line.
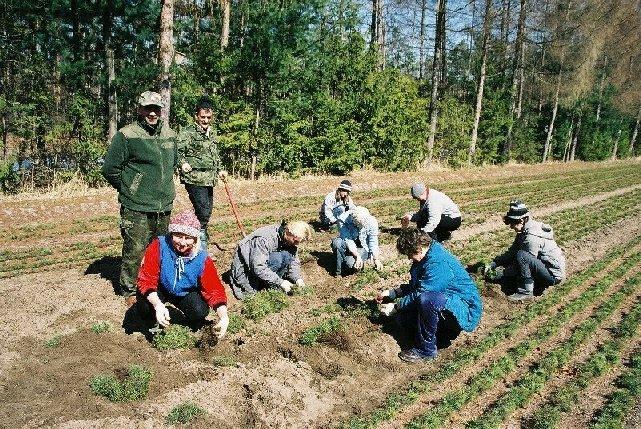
137 230
444 229
202 198
434 326
527 268
192 305
249 284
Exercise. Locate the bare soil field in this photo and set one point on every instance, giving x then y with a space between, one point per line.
60 262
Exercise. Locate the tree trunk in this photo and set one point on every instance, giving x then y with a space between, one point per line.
75 25
433 108
600 95
166 54
225 6
635 133
616 145
377 29
110 63
548 138
568 144
421 37
575 139
487 23
517 73
253 150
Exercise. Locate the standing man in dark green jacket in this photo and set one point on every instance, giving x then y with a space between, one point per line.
200 163
140 164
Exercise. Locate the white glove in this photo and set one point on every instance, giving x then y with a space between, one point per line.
382 295
223 323
162 315
378 265
359 263
405 220
300 283
286 286
222 175
186 168
388 309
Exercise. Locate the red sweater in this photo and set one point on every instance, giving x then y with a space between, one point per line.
211 288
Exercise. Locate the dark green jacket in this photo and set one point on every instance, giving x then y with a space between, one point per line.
140 164
201 152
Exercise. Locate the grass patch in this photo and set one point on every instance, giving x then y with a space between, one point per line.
101 327
53 342
312 335
263 303
126 385
174 337
184 413
236 324
223 361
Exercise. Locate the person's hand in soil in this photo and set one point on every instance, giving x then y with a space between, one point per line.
358 265
286 286
383 296
388 309
162 314
223 323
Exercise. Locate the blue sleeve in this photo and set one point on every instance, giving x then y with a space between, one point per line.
434 277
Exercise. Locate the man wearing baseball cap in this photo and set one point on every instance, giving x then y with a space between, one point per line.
335 204
534 258
139 164
437 215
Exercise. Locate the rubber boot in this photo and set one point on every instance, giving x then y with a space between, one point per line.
524 293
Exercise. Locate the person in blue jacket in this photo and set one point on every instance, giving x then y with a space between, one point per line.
440 295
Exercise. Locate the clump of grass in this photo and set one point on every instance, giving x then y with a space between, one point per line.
236 324
174 337
302 291
131 385
327 308
263 303
53 342
101 327
222 361
184 413
366 277
312 335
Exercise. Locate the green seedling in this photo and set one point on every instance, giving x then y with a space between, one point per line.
126 385
263 303
222 361
236 324
184 413
174 337
314 334
53 342
101 327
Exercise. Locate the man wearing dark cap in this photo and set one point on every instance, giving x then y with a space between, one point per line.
140 165
335 204
437 215
534 258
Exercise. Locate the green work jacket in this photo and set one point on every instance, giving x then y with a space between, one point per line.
140 165
201 152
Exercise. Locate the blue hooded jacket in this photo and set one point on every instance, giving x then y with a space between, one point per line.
440 271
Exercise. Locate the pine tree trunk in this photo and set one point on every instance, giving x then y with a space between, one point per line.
517 74
600 96
548 138
433 108
421 37
575 139
487 23
568 144
166 54
225 6
635 133
616 145
377 43
110 64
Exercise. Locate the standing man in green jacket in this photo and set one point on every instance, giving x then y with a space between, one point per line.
140 164
200 164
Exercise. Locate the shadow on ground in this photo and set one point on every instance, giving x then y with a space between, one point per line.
109 269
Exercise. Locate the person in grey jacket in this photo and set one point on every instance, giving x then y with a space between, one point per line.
437 215
357 241
533 258
268 258
335 204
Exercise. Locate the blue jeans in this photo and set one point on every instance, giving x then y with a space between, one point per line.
345 259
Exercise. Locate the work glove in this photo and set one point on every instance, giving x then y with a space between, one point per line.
162 315
222 175
382 295
378 265
223 322
286 286
358 265
300 283
186 168
405 220
388 309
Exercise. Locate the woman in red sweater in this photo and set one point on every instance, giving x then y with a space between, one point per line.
175 269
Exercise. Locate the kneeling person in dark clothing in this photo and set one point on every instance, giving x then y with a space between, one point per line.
175 269
441 294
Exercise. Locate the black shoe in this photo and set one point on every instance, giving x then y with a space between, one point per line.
414 355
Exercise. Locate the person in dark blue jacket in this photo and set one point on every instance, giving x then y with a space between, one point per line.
441 294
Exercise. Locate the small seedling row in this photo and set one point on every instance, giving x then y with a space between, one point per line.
522 391
619 404
471 355
487 378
